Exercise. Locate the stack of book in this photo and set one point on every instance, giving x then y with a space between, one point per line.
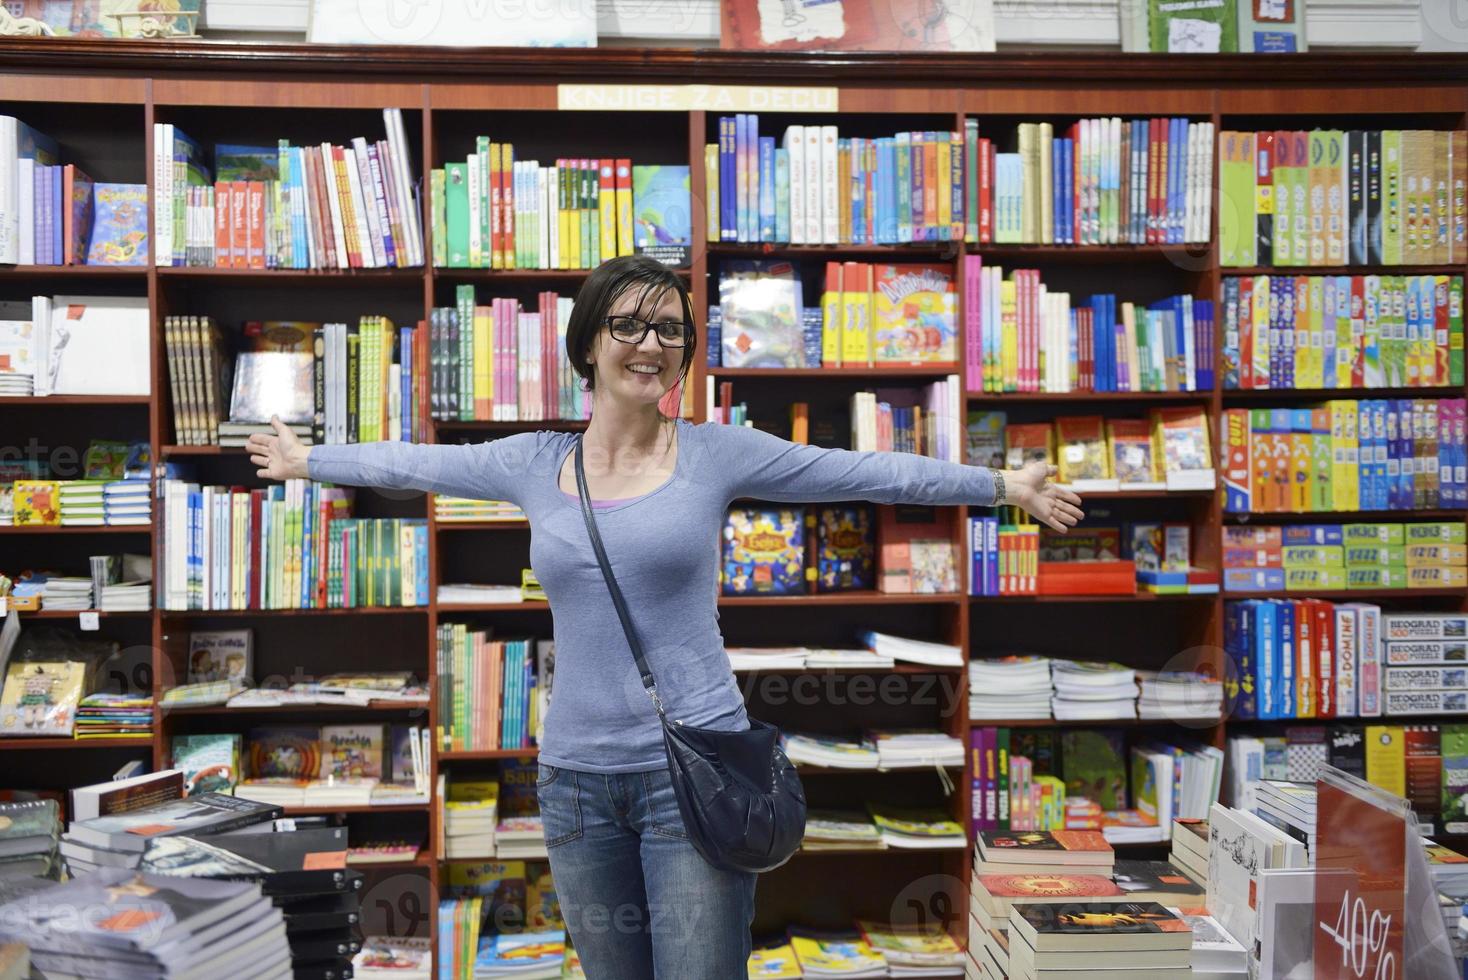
529 955
1092 691
458 510
30 832
520 836
1178 695
104 715
81 503
1216 955
320 206
66 592
798 658
1290 807
302 871
126 502
916 828
1015 687
1190 847
118 837
991 896
832 954
470 815
1043 852
841 830
913 651
909 748
912 950
394 958
829 751
151 925
1133 939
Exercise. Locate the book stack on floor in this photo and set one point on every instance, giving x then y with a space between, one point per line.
150 925
302 872
1016 687
1086 940
1091 691
29 839
872 949
1190 848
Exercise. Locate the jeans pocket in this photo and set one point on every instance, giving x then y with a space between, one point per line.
664 817
560 805
545 774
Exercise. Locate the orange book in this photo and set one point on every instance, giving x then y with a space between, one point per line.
931 179
800 423
496 227
223 245
507 204
255 217
349 212
239 224
76 210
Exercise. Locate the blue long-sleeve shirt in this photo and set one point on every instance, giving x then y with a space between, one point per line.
663 547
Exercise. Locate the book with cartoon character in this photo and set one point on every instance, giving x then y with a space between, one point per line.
119 225
41 698
764 551
221 655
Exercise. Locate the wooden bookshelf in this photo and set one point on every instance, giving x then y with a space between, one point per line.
102 97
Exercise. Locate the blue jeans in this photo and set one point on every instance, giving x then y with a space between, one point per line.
639 901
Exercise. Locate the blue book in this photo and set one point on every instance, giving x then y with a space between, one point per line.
119 225
887 172
750 158
1057 190
782 195
405 383
58 228
420 553
1205 325
1067 191
1285 631
728 226
741 177
767 189
1266 657
298 179
854 149
1179 190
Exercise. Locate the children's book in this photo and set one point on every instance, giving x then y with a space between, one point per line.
40 698
764 551
210 763
351 751
662 213
285 753
984 440
845 548
119 225
914 310
221 655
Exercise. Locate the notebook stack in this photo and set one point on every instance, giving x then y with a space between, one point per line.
520 837
1093 692
147 925
127 502
1090 941
1290 807
1009 688
840 830
1177 695
81 503
913 951
303 873
70 592
29 838
118 839
1190 848
913 748
829 751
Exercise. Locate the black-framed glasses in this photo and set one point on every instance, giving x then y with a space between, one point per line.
631 330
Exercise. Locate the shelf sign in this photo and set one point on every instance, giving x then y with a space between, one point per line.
686 98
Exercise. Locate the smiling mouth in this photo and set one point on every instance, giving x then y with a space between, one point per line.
647 369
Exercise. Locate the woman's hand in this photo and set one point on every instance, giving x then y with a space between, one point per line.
1030 489
281 456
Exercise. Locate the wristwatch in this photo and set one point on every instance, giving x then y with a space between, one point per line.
998 475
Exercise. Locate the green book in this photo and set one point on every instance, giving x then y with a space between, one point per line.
904 187
1454 749
1393 212
456 215
1193 26
1455 331
464 301
436 186
482 163
971 181
1093 766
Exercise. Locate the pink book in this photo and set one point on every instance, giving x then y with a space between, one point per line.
973 360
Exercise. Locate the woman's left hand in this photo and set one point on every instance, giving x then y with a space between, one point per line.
1049 503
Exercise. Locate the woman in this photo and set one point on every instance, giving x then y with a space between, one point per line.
638 900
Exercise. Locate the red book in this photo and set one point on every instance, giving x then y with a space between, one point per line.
1246 332
239 224
1440 332
256 572
255 220
76 215
986 191
1324 613
222 241
1268 225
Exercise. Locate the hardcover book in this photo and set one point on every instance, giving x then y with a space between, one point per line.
764 551
913 314
221 655
285 753
1129 926
210 763
119 225
210 813
351 751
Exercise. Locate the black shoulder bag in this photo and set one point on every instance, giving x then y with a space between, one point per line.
741 799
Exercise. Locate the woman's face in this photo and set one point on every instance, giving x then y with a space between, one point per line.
640 373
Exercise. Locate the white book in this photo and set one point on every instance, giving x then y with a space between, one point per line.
813 177
1346 638
476 247
98 345
366 199
26 181
795 148
1240 845
830 186
163 193
9 192
404 184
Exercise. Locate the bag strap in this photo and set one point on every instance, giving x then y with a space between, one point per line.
648 682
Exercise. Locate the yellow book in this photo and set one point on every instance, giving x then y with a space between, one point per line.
1344 490
1133 356
776 962
1386 763
832 314
496 243
1316 360
606 203
945 186
1008 336
624 207
856 324
1260 312
836 954
1345 343
1301 350
563 215
710 194
483 361
37 502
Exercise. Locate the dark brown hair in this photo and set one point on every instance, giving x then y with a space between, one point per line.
604 286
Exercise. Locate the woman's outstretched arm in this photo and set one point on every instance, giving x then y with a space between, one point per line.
483 471
771 468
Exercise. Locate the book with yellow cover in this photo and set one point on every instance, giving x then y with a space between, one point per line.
1129 447
914 314
41 698
37 502
911 945
1180 439
1081 447
836 954
774 962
